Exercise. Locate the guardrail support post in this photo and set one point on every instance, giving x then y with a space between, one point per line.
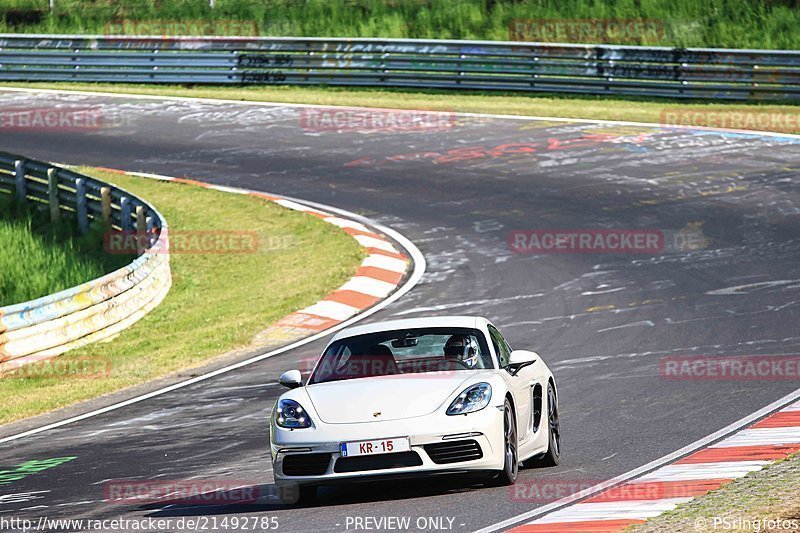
105 203
152 235
140 230
140 219
82 211
52 194
19 176
125 215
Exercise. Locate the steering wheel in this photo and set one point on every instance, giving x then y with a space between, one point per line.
447 362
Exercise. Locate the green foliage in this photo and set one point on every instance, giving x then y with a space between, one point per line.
39 258
712 23
217 302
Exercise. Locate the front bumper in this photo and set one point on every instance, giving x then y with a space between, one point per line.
484 428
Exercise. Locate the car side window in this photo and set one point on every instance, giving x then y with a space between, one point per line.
495 346
500 346
505 343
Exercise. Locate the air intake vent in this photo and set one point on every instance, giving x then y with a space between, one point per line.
306 464
454 452
377 462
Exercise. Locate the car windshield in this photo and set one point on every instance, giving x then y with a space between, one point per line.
409 351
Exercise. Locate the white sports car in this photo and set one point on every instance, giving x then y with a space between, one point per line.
414 397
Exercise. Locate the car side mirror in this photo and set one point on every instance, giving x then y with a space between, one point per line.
519 359
291 379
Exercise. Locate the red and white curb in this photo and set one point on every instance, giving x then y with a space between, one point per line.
379 275
377 272
547 522
775 437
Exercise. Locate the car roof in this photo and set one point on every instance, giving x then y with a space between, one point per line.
411 323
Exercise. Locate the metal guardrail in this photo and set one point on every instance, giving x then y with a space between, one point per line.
48 326
482 65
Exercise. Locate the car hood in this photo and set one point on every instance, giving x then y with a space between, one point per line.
393 397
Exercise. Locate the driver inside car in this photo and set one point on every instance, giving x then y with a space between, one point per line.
463 349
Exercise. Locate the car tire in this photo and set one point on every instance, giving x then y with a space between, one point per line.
552 457
508 475
297 494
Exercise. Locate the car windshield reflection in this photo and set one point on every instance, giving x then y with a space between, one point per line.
410 351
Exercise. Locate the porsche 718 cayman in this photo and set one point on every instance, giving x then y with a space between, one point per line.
412 397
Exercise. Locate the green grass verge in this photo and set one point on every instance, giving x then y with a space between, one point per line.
715 23
218 302
39 258
704 113
771 494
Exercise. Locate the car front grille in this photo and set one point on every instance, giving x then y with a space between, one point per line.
306 464
377 462
454 452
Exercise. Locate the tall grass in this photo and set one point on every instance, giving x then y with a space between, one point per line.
37 258
218 301
714 23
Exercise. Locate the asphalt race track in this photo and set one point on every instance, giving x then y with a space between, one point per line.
727 282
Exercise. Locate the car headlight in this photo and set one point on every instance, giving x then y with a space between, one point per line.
473 398
290 414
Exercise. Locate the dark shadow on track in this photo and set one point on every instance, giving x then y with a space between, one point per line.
357 493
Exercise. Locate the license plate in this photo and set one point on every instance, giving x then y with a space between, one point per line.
375 447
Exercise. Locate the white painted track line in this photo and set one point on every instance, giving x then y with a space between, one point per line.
459 114
649 467
419 269
702 443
